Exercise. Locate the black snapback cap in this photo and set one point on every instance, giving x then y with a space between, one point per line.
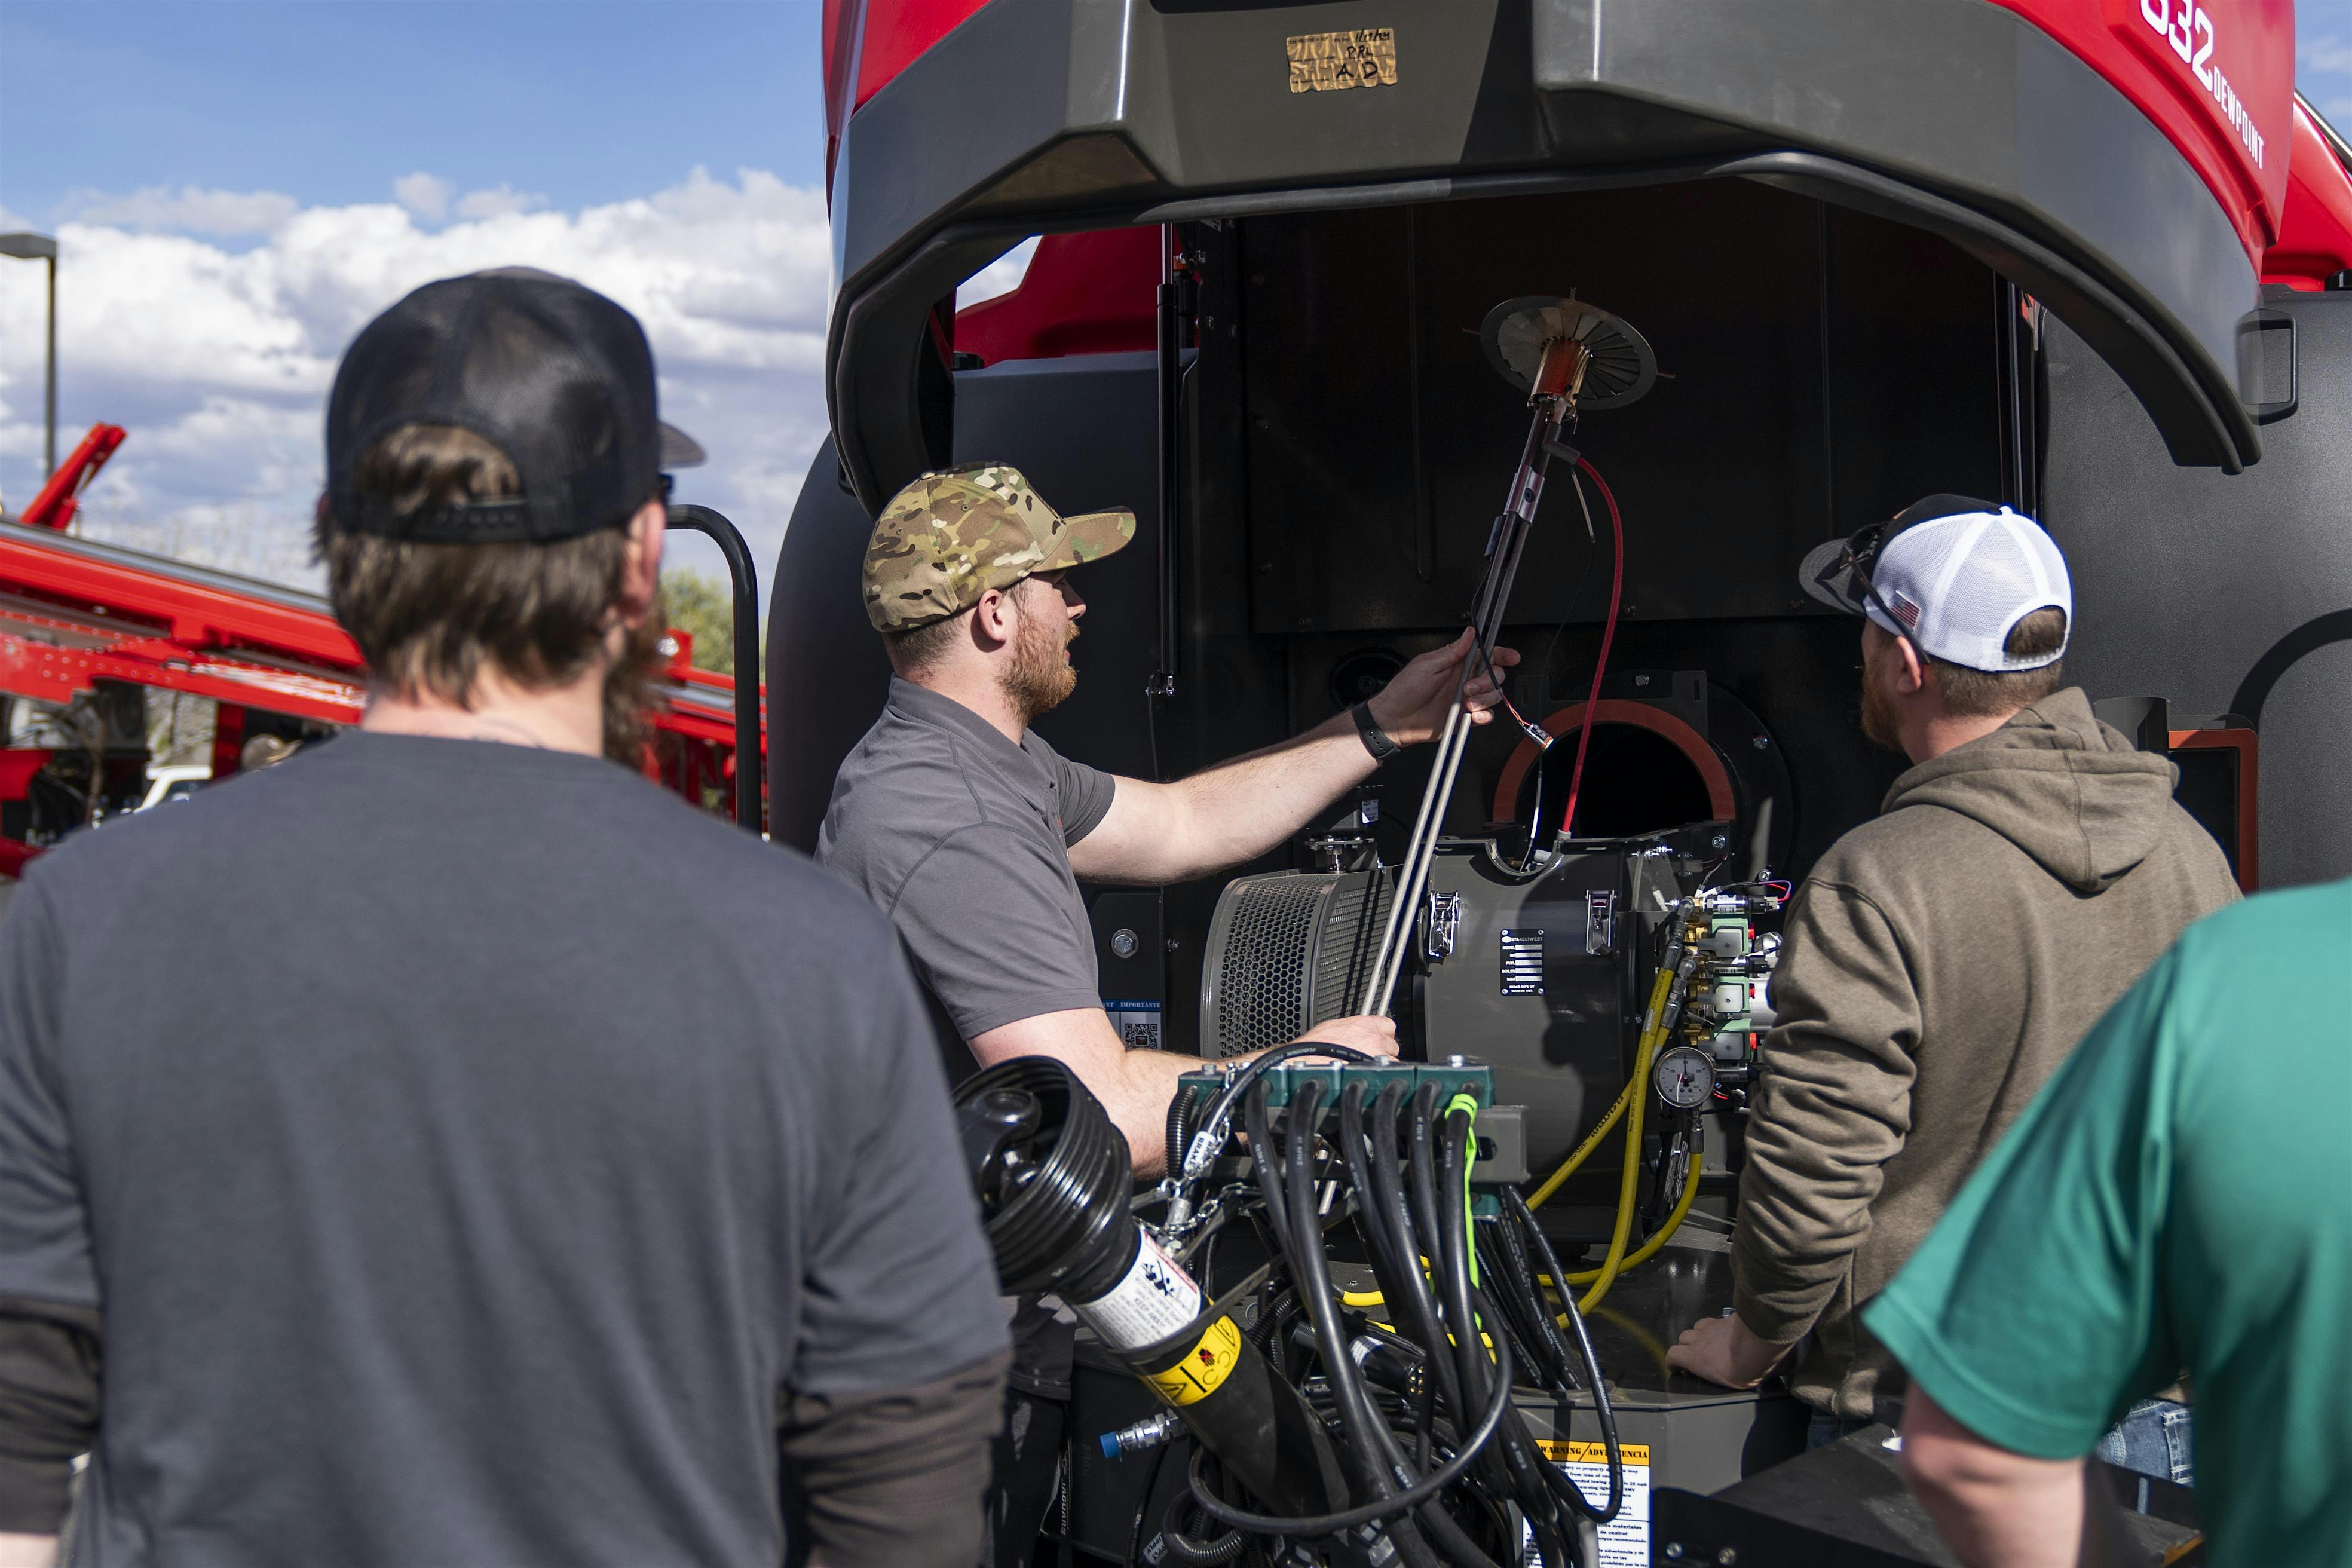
552 373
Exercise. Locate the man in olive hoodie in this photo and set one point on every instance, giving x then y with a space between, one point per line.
1941 960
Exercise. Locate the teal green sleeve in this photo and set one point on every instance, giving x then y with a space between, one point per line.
2032 1312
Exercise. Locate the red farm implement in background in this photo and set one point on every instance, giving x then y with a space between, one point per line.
88 630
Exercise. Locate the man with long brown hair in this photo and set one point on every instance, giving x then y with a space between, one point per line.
455 1149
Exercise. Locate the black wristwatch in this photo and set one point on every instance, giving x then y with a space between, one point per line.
1376 740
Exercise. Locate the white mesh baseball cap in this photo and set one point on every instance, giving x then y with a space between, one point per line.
1952 573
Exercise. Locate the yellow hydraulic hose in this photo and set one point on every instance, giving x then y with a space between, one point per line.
1648 1250
1654 1028
1615 1260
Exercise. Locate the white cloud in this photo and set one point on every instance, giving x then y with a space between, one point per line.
424 194
218 363
499 202
200 212
2324 53
1001 276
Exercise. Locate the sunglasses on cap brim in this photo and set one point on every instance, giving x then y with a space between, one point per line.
1859 556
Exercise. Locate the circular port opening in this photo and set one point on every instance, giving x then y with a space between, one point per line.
1644 770
1635 781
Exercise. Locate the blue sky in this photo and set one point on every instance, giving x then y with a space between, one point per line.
579 101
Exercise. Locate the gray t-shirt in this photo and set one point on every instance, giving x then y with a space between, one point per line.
963 838
464 1144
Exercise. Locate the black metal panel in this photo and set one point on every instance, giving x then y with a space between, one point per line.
2007 122
1379 440
2217 592
1845 1506
1955 113
1083 431
826 669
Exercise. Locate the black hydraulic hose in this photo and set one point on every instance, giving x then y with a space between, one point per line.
1473 1443
1462 1331
1534 1480
1385 1266
1527 1484
1184 1549
1518 1207
1521 1271
1178 1134
1382 1207
1357 1418
1260 1127
1221 1112
1502 1289
1418 1320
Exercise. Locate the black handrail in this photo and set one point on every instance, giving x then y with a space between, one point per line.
748 769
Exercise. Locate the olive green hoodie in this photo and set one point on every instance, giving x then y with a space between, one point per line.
1938 966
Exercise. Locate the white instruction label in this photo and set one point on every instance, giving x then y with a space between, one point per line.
1154 1300
1625 1540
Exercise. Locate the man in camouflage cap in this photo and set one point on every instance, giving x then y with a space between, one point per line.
947 538
971 831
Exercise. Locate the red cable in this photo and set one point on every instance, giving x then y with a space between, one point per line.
1608 635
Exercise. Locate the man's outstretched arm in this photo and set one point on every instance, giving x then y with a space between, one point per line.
1136 1084
1155 833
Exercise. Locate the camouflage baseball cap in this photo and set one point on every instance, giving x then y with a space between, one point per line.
950 537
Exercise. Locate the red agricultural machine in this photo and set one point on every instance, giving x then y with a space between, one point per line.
2091 259
90 631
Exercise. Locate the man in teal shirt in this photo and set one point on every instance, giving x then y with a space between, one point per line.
2179 1195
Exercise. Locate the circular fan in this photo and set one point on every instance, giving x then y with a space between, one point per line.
1623 368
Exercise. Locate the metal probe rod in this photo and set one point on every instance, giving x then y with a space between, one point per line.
1560 372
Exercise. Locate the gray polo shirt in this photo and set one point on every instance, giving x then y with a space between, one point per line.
963 838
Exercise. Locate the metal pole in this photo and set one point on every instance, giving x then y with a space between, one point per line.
1171 383
49 388
746 585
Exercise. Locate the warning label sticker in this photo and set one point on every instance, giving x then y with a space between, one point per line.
1154 1300
1205 1367
1626 1539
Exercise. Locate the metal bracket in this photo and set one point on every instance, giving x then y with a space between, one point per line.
1444 927
1601 920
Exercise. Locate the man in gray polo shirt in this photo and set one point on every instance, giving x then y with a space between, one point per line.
971 831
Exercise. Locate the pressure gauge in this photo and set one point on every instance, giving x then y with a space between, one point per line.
1685 1077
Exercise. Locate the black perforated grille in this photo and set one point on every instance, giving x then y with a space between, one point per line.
1352 927
1261 1000
1297 949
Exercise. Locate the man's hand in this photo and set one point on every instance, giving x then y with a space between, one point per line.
1726 1351
1412 708
1373 1037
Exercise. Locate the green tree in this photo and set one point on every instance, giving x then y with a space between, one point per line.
706 610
